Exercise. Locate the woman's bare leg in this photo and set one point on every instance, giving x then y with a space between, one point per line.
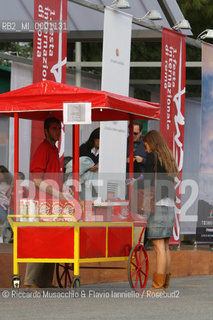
168 256
161 255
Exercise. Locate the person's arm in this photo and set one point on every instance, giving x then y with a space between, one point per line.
94 168
45 187
149 173
138 159
9 191
140 153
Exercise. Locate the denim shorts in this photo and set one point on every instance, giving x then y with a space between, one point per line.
160 224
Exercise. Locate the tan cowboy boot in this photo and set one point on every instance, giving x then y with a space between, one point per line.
167 280
158 281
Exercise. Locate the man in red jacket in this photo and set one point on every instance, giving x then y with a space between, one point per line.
45 166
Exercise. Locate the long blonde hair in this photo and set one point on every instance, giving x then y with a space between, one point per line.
159 146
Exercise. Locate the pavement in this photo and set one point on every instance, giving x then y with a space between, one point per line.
189 298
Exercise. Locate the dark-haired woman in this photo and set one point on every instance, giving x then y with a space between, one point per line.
88 167
91 148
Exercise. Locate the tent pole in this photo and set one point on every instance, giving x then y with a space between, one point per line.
76 160
131 166
16 159
78 59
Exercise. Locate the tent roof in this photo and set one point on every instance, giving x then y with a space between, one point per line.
86 23
46 98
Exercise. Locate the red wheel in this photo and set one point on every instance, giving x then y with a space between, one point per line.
138 267
64 274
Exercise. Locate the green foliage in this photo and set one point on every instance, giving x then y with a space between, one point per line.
199 13
22 49
145 51
142 94
92 51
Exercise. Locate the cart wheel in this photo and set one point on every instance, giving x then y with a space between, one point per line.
16 281
76 282
64 273
138 267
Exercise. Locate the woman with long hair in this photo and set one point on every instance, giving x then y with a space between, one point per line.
160 171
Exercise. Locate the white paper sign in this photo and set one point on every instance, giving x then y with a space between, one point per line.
77 113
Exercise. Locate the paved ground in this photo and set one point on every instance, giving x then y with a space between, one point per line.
189 298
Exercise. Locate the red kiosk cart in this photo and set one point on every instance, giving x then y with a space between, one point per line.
69 243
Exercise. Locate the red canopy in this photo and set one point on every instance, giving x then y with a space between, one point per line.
46 98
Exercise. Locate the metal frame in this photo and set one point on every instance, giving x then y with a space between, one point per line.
84 64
